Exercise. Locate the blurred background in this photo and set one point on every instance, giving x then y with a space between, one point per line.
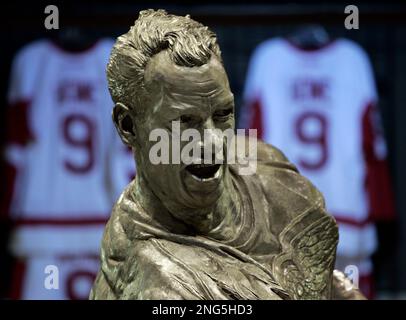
68 65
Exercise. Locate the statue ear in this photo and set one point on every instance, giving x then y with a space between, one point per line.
124 123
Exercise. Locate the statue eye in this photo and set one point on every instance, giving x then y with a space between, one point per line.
224 113
185 119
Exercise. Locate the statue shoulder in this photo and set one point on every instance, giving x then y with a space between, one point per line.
268 152
114 252
281 178
258 156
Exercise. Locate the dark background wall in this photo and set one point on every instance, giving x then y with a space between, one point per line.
240 27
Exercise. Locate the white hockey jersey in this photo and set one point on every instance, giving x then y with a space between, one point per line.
69 163
318 107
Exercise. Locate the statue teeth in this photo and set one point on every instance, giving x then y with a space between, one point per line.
200 166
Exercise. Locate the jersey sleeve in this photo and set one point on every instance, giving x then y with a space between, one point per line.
378 181
377 177
19 98
17 132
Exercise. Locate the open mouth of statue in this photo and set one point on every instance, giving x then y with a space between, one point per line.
204 172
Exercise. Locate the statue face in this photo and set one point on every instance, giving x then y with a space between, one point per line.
199 98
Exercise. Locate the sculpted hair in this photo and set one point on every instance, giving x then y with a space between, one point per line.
188 42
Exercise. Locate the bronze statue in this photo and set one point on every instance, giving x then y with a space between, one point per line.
204 231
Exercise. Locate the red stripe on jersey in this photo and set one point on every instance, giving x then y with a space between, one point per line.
352 222
18 129
17 132
10 173
18 276
60 222
377 180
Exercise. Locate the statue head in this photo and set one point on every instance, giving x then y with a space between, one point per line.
168 69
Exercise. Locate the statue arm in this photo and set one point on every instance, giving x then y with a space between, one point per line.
101 289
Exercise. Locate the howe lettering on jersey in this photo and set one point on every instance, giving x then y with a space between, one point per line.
75 91
308 90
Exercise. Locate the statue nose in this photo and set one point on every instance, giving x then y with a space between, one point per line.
209 124
212 143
